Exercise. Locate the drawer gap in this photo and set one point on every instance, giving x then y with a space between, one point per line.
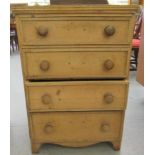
63 80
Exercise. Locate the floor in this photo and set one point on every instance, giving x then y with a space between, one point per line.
133 137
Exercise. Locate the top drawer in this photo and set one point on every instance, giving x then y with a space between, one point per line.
75 31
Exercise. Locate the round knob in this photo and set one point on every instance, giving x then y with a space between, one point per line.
44 65
105 127
108 98
48 128
42 31
46 99
108 64
109 30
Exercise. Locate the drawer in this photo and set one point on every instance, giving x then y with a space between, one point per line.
69 128
77 95
80 64
75 31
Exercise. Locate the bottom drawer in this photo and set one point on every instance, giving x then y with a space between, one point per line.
68 128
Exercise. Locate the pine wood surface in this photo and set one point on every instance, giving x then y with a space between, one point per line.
62 127
76 64
80 29
79 96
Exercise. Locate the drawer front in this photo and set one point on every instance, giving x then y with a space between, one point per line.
61 127
76 31
52 65
81 95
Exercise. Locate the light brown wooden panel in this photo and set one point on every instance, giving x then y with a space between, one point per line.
76 65
82 95
74 31
140 68
71 127
82 10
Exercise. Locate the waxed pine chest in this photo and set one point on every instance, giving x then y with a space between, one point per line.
75 63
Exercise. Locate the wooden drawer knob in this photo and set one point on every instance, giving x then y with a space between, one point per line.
48 128
108 98
109 30
42 31
105 127
108 64
44 65
46 99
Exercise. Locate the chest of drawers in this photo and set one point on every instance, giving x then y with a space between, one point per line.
75 63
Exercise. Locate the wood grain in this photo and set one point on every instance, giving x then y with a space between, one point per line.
69 96
81 30
76 64
76 126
